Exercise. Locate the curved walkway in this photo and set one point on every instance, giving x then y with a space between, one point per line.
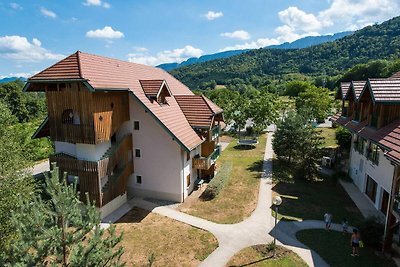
257 229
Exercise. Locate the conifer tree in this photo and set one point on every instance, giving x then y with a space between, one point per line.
61 231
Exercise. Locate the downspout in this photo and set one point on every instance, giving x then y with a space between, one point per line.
389 209
183 175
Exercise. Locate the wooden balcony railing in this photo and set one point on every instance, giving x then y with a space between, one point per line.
116 184
214 133
72 133
204 163
91 172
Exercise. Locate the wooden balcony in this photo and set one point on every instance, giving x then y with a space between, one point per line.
72 133
117 183
214 133
91 172
204 163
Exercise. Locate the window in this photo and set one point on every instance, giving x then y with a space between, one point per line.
188 180
373 153
138 179
370 189
359 144
137 153
68 116
136 125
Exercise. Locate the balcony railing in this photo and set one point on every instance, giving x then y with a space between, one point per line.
214 133
72 133
91 172
116 184
204 163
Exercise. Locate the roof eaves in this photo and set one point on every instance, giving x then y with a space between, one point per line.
147 110
367 85
162 86
40 127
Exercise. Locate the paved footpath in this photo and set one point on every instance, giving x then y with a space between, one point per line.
257 229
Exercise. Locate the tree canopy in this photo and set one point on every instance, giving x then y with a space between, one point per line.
61 231
262 67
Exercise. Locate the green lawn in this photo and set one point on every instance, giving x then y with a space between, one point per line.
303 200
238 198
259 256
334 248
329 137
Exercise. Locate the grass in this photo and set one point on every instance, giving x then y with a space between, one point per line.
238 198
173 243
334 248
329 137
310 200
259 256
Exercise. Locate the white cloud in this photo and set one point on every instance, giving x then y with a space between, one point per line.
20 49
211 15
240 34
16 6
107 33
96 3
166 56
298 19
48 13
140 49
340 15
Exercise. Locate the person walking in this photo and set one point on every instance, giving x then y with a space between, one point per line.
355 241
328 220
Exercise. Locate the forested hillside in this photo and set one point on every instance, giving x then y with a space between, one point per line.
264 66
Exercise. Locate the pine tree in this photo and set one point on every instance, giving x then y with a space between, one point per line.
62 231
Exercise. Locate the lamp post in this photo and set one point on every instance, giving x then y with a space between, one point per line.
277 200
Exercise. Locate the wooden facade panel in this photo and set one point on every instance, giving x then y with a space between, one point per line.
99 114
207 148
91 172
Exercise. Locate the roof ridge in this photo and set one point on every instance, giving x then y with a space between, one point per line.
205 100
79 63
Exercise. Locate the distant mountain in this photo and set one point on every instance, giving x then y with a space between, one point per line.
194 60
310 41
11 79
300 43
263 66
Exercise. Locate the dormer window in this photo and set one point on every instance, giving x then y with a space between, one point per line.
156 90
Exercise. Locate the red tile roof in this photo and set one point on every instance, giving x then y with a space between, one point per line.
385 90
396 75
104 73
343 89
387 136
357 87
151 87
67 68
215 109
196 110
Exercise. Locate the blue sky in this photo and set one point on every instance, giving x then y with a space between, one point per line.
36 34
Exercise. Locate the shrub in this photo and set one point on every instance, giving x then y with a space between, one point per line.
343 137
218 182
371 230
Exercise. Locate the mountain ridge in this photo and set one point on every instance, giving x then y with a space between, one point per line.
299 43
264 66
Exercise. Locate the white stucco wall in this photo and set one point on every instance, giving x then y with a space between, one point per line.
160 164
382 173
189 170
92 152
67 148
